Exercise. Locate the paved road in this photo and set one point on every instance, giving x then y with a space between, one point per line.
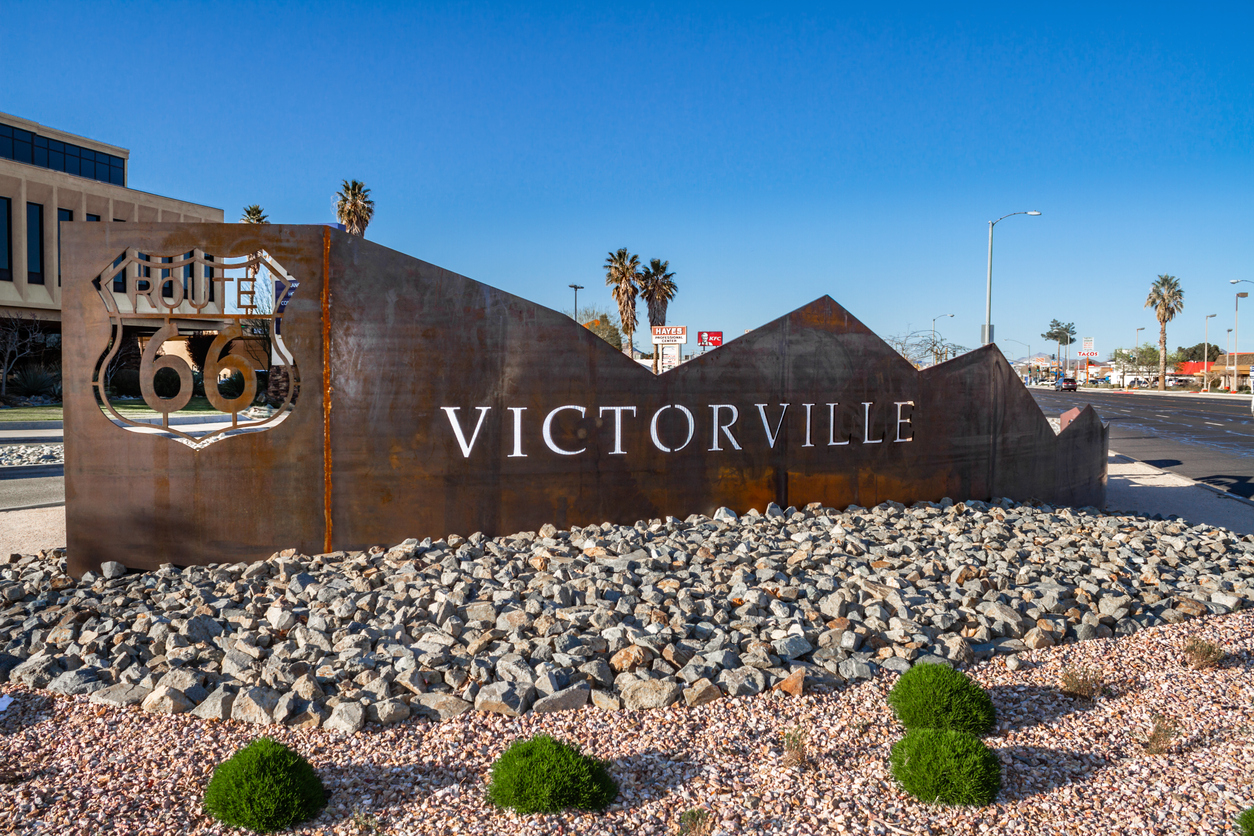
1210 440
36 489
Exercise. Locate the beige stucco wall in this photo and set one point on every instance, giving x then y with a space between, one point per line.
23 183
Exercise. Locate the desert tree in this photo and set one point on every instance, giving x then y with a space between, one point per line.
1166 297
622 275
353 207
657 288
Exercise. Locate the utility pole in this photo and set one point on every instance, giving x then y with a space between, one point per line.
1206 352
577 288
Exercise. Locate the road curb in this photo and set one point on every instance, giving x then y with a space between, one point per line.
31 471
34 507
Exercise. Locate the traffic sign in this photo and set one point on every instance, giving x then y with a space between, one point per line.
670 334
712 339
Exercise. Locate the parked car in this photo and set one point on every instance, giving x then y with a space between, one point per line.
1064 384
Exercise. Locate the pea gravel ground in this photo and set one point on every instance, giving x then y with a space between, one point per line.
1069 766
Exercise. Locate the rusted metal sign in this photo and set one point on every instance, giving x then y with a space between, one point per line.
424 403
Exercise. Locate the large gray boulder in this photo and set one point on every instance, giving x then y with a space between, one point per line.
651 693
568 699
346 718
508 698
255 705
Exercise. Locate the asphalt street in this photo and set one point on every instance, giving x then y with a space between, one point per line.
21 487
1210 440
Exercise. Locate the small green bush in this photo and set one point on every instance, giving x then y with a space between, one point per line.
543 775
943 766
264 787
1245 821
939 697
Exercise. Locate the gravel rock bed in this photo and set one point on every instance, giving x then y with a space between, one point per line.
1070 766
17 455
637 617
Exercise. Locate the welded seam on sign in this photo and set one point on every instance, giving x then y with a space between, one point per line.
326 387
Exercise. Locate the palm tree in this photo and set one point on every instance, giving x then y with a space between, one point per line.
353 207
254 215
657 288
622 273
1167 299
1063 334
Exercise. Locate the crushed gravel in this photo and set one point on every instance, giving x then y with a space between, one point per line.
19 455
1069 766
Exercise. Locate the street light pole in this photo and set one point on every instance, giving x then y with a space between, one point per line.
1236 333
987 336
1136 343
942 316
1029 348
577 288
1228 356
1206 350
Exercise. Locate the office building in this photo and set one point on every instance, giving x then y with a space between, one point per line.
48 176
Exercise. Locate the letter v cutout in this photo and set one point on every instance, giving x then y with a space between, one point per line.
451 411
771 437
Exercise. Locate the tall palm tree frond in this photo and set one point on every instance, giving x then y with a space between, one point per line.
622 274
657 288
254 215
353 207
1166 297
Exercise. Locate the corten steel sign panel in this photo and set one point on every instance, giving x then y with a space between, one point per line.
430 404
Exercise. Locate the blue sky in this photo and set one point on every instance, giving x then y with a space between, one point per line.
772 156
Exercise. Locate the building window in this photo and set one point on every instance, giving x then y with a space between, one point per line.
62 215
91 217
6 237
209 276
26 147
167 290
34 243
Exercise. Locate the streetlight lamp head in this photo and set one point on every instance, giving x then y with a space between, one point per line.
1233 281
1034 212
1242 295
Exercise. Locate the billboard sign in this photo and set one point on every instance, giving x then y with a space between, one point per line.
670 334
712 339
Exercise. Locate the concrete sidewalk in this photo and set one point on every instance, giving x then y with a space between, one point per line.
1135 486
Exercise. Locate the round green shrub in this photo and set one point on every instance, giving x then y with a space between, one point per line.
1245 821
543 775
264 787
939 697
943 766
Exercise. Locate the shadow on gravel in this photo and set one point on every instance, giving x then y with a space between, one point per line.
1032 770
26 709
1024 706
645 776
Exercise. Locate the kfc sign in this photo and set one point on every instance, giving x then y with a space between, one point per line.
712 339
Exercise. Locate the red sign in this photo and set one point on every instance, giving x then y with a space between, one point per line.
710 338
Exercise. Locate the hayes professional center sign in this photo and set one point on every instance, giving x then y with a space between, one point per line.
421 403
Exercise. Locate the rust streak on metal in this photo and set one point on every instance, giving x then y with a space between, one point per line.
326 386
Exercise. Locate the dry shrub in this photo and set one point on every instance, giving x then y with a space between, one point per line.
1081 683
1200 654
795 754
1160 736
695 822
